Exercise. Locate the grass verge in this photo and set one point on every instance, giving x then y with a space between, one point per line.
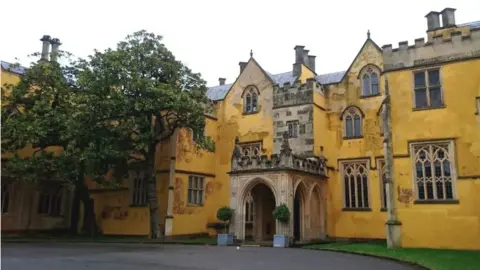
435 259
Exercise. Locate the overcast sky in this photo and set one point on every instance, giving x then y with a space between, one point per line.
211 36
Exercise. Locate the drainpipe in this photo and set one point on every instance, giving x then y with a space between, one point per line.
393 224
171 185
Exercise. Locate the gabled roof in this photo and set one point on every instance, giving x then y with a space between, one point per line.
330 78
13 68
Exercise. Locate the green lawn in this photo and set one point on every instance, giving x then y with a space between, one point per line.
436 259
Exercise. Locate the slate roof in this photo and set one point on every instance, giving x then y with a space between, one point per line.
329 78
473 25
11 68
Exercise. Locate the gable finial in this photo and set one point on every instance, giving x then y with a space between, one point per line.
368 33
251 53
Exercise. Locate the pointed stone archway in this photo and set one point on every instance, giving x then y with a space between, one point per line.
300 211
259 203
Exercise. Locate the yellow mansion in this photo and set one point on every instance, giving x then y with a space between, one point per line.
316 143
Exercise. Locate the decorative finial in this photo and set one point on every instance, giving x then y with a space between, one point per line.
251 53
368 33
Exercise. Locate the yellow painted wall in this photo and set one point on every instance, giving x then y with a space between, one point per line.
329 133
443 226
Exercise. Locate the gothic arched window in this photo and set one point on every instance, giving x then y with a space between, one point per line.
352 117
370 77
250 100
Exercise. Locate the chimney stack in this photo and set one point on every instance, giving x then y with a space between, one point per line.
298 53
448 17
221 81
311 62
433 20
55 44
46 47
242 66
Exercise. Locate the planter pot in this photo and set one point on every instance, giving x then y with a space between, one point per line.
225 239
280 240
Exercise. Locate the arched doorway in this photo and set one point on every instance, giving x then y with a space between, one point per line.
298 212
317 215
259 223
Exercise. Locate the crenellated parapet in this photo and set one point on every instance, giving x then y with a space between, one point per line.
285 160
296 94
448 45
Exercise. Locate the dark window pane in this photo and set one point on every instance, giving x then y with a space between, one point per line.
366 85
359 192
435 97
374 81
433 77
429 190
448 190
421 191
349 127
428 169
446 168
420 79
374 89
254 102
439 186
419 169
365 191
384 186
438 169
352 192
357 126
347 192
420 98
302 129
248 105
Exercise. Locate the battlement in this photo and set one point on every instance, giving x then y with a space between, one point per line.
445 46
283 161
296 94
445 43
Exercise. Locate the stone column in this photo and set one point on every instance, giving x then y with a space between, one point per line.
393 224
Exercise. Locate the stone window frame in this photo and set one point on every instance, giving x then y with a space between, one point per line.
352 113
427 88
432 146
50 202
383 187
196 190
251 149
6 197
293 128
369 71
356 164
139 188
250 98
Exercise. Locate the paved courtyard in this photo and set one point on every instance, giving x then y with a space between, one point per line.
178 257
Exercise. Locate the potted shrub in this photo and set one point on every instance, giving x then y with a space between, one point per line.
282 214
225 214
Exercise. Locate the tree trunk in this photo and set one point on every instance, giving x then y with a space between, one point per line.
75 212
152 192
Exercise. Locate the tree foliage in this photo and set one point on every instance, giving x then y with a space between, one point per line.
147 95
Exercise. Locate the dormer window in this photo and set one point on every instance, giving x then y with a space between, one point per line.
370 78
250 99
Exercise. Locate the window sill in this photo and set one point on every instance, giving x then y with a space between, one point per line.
436 202
138 205
249 113
194 205
369 96
429 108
352 138
357 209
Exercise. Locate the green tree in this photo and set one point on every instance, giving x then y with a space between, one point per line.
151 95
48 109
